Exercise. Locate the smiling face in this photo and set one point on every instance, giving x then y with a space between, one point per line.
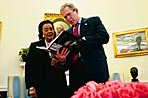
48 32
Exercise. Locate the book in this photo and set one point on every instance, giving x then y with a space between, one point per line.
67 40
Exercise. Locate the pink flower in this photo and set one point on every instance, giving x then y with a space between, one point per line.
126 91
116 84
141 89
105 93
112 89
87 91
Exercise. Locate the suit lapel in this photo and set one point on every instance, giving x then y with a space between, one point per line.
83 27
42 44
70 30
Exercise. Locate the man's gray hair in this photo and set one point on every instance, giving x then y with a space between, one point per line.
70 5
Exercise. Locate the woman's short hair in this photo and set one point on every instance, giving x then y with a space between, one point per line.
40 35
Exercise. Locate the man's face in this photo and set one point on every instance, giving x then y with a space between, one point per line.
138 40
70 15
59 29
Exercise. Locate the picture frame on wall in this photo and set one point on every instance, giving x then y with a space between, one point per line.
0 29
57 19
130 43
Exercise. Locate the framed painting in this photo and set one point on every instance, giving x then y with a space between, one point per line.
130 43
57 19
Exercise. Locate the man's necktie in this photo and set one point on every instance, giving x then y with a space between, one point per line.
75 32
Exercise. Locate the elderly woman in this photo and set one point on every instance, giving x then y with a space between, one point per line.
44 77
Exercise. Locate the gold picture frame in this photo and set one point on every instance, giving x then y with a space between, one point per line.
57 19
0 29
130 43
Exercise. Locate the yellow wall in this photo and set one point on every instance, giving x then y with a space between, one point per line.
20 19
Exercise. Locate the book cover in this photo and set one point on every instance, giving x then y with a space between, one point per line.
65 39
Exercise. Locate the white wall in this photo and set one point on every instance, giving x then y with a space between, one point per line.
20 19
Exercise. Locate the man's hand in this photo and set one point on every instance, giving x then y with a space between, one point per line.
61 55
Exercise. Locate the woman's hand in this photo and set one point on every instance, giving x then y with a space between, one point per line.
32 93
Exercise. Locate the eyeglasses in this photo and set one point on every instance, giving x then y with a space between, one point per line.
69 14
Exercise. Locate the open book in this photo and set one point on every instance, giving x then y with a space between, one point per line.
65 39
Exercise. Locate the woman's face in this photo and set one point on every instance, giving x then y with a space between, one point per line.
48 32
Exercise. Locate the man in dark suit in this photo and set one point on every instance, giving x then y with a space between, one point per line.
45 78
92 61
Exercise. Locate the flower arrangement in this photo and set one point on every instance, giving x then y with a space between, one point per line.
112 89
23 54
